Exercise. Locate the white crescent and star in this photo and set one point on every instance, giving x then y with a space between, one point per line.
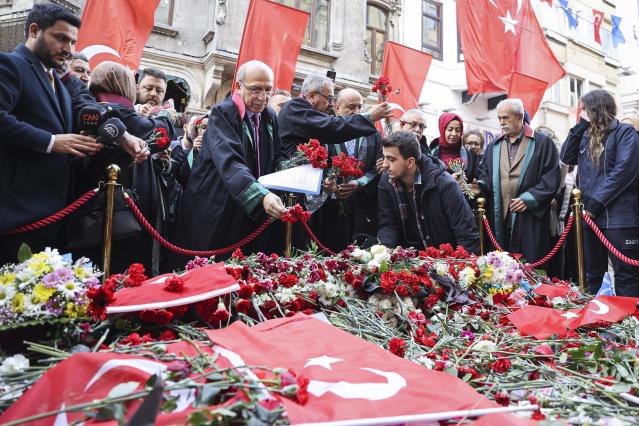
602 308
509 23
323 361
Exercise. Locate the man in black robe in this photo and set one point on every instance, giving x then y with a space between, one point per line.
352 208
223 201
519 176
306 117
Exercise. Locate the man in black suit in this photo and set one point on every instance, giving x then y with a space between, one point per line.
36 124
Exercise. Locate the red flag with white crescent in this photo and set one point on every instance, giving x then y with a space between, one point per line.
200 284
349 379
544 322
116 30
597 16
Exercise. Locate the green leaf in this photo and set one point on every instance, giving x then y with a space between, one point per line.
208 395
623 372
123 389
24 253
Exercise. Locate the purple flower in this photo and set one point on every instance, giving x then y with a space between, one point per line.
468 335
198 262
50 280
64 274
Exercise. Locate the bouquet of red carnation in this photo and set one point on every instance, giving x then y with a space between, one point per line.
158 140
384 90
458 165
311 152
346 167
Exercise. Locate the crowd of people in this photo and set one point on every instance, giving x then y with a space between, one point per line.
202 191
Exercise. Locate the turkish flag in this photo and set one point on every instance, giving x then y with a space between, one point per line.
597 16
529 90
548 2
200 284
88 376
116 30
273 34
552 291
407 69
349 378
544 322
502 37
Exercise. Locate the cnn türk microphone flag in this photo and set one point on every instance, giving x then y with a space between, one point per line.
273 34
349 379
502 37
529 90
116 30
544 322
407 69
199 284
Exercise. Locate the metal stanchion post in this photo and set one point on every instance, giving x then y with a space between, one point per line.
113 171
288 250
481 212
579 240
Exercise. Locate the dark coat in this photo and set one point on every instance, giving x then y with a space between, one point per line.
299 122
538 184
445 216
470 159
33 184
359 216
609 190
222 201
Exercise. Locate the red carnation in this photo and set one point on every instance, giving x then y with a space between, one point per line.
245 291
174 284
296 213
502 398
135 275
156 316
301 396
288 280
237 254
243 306
100 297
167 335
132 339
501 365
397 347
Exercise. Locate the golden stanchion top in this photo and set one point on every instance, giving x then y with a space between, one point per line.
113 171
481 202
577 194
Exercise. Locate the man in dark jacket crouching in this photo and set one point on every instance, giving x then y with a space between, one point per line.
420 204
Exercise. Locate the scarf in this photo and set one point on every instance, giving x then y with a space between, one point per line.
447 151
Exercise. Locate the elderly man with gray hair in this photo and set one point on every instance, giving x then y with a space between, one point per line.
306 117
519 176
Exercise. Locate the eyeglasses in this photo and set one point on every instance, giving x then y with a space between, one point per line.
256 91
329 98
413 124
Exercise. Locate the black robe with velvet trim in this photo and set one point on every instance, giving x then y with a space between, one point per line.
299 122
337 222
538 184
222 200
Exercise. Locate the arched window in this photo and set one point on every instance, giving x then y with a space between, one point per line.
376 35
316 34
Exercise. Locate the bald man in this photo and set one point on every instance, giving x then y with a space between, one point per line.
339 225
223 201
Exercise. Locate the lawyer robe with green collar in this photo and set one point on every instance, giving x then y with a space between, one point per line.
222 200
538 182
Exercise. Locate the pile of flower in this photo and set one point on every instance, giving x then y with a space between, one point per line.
43 287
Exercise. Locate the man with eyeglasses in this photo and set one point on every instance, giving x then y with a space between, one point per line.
223 201
414 121
306 117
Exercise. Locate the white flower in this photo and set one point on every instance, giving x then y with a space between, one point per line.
426 362
484 346
373 264
6 294
361 255
441 268
557 301
466 277
14 365
382 257
69 289
378 249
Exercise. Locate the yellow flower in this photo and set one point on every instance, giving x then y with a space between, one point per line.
492 291
73 311
42 294
18 303
81 272
40 267
488 273
7 278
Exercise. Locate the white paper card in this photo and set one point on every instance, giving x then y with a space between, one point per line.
302 179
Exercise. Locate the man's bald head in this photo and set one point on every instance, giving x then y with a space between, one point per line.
254 85
348 102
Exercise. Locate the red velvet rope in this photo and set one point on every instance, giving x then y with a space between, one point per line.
317 241
560 242
155 234
55 216
491 235
607 243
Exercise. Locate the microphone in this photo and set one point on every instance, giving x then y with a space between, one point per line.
90 118
110 131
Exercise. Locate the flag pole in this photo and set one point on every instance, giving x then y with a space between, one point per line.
432 417
579 239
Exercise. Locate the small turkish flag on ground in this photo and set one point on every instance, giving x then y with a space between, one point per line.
273 33
350 379
200 284
597 16
116 30
529 90
407 69
544 322
552 291
502 37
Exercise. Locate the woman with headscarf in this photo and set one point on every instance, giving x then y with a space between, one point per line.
113 85
448 147
607 153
